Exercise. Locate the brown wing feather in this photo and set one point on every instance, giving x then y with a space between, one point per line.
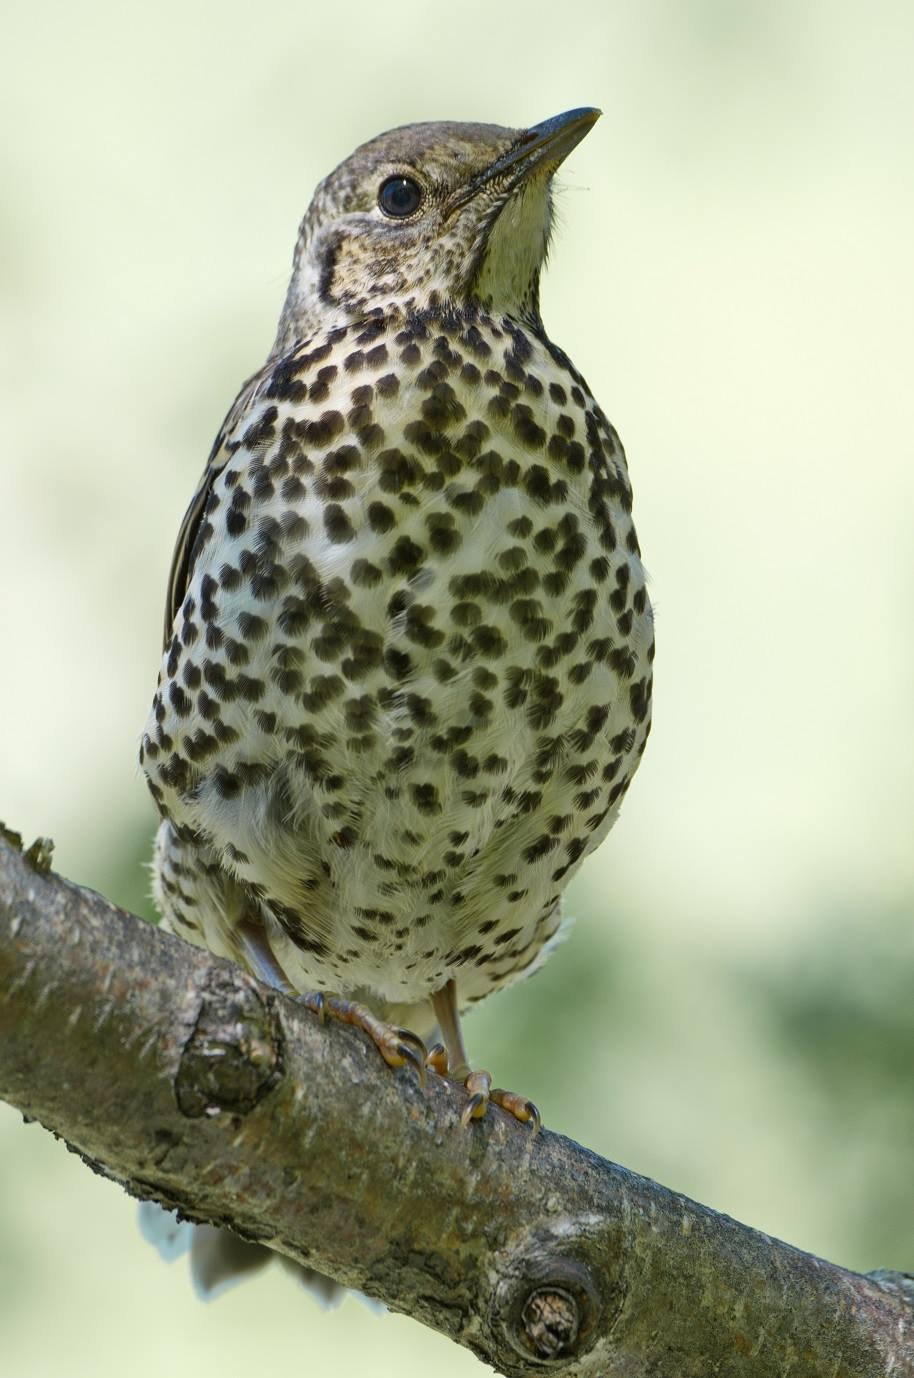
182 561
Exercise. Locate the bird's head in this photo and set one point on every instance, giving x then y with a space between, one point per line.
431 214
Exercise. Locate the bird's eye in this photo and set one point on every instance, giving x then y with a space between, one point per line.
400 196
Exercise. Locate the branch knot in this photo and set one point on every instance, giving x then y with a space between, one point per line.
233 1056
556 1288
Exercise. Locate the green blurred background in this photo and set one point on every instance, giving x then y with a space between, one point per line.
733 1014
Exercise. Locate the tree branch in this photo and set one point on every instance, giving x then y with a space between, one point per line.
183 1078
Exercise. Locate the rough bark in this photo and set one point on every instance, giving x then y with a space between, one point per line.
189 1082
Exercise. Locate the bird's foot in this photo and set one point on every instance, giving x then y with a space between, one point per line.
398 1047
480 1092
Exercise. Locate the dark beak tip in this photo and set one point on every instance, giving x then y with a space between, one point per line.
583 117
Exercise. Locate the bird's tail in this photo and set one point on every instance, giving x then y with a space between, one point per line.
219 1259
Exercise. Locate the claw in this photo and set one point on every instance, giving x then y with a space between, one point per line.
477 1084
398 1047
412 1057
518 1106
407 1036
474 1109
316 1002
436 1058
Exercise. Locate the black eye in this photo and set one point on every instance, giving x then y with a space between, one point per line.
400 196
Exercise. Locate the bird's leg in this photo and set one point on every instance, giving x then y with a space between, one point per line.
398 1047
452 1061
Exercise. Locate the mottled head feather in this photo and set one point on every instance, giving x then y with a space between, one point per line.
480 234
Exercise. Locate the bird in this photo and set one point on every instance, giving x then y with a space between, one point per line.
408 644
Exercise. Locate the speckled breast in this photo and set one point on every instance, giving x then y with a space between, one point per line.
410 679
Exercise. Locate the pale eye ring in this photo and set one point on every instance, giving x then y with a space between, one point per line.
399 197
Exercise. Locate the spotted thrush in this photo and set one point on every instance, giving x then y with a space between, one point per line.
407 669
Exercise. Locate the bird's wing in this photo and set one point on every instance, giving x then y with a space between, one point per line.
182 561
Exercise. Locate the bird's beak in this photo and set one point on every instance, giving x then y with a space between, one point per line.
544 145
548 143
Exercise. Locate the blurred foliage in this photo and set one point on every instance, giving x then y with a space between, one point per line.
845 1008
122 871
840 1009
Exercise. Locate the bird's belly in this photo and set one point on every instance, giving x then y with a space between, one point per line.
420 820
396 874
404 718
